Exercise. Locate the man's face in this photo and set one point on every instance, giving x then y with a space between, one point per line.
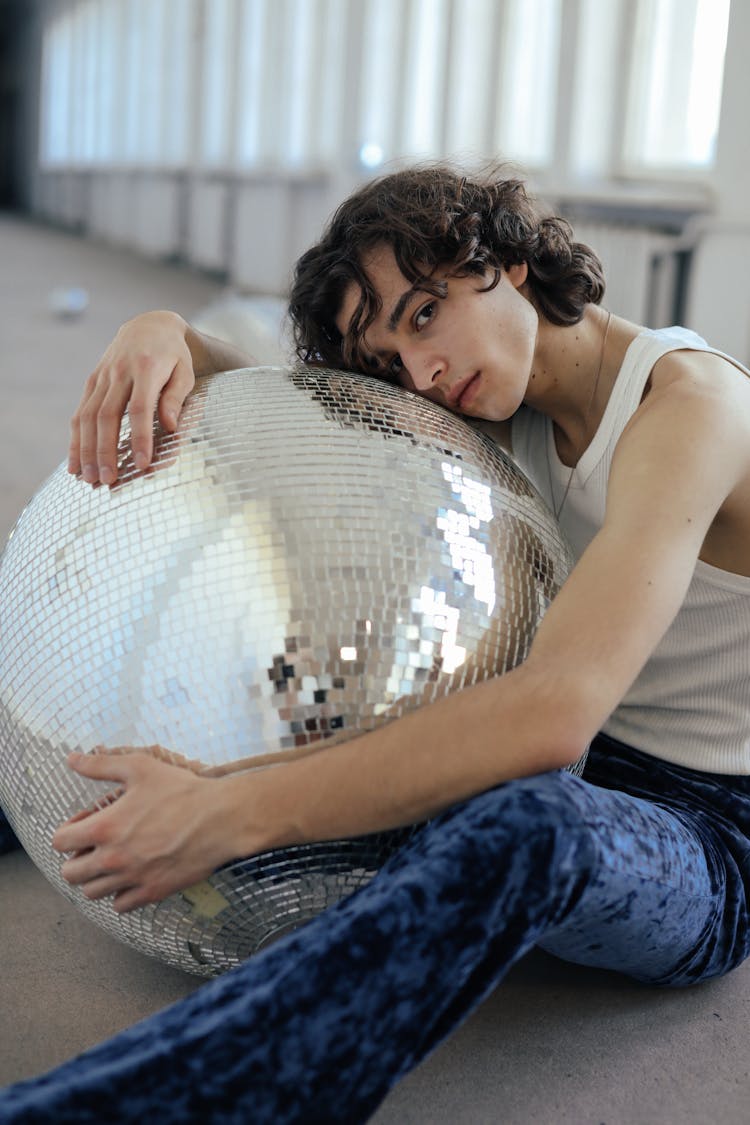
471 351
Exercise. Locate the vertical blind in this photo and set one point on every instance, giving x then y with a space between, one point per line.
605 87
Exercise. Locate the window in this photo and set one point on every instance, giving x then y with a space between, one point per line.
675 83
527 93
380 80
467 79
217 102
116 78
574 88
57 58
424 108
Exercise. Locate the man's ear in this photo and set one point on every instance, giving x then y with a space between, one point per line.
517 274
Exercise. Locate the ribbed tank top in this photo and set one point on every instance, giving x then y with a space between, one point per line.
691 702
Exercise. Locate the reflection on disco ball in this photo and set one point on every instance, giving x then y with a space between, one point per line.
311 555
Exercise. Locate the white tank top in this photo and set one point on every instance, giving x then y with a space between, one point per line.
691 702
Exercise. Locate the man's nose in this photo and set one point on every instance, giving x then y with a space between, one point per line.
425 368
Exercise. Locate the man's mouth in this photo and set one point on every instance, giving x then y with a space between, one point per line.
465 392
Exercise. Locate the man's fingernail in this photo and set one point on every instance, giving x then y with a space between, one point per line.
141 461
90 473
106 476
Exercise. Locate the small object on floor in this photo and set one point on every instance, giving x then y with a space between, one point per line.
68 303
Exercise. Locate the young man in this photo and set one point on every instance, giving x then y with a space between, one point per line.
460 290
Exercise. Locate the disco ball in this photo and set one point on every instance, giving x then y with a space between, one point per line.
311 555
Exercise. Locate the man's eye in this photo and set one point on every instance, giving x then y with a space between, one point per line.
395 367
425 315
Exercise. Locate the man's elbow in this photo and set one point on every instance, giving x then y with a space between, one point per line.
564 717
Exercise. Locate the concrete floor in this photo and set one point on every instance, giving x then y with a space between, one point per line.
554 1045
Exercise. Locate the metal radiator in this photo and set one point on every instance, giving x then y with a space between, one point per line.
642 269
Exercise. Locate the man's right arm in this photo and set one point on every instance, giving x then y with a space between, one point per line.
149 369
211 354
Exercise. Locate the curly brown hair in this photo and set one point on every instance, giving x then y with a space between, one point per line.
435 218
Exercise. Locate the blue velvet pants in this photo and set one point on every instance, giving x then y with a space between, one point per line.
642 867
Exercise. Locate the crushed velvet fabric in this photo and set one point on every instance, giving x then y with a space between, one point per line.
642 867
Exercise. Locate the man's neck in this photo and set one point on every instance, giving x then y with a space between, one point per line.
573 373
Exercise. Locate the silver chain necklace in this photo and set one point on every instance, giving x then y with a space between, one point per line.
558 510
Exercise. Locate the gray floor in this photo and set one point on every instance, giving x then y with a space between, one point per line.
554 1045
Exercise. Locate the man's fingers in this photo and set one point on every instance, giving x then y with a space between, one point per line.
86 867
131 898
103 765
99 876
75 838
82 815
172 758
95 426
148 354
175 391
103 886
147 393
85 872
84 431
108 420
74 449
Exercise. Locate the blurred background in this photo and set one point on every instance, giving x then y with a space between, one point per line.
221 133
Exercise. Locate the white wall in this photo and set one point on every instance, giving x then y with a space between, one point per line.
719 297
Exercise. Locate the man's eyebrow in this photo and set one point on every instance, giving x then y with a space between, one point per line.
401 306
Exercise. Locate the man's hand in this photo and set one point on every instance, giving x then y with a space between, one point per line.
148 367
161 830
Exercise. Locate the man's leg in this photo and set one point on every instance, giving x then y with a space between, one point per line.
321 1025
658 930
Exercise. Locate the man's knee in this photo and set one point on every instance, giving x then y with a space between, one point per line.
533 830
545 804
